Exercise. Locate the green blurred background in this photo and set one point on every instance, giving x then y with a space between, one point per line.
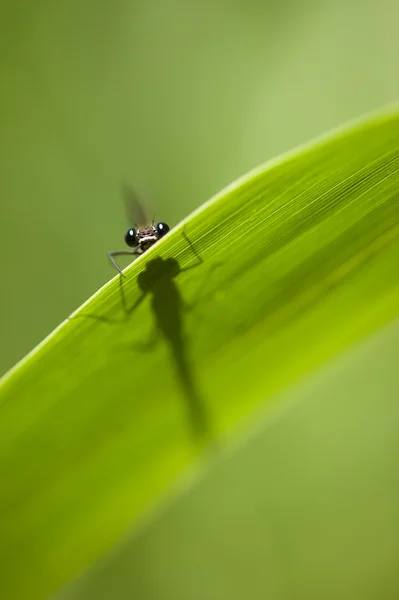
177 98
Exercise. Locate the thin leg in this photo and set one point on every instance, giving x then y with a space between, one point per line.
119 253
202 288
193 250
126 309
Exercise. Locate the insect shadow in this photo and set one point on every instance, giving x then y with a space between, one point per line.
158 281
168 307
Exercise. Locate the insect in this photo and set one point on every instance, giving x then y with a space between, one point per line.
140 237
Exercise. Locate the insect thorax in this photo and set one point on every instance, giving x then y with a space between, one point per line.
146 238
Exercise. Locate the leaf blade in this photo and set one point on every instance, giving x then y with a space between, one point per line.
299 261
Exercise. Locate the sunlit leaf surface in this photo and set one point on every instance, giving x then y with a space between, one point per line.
269 280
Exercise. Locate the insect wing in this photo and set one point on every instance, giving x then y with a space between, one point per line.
134 210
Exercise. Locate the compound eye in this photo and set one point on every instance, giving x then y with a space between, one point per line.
131 237
162 229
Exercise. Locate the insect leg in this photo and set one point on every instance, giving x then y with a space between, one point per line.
193 250
119 253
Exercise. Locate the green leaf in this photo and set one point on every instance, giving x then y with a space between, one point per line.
307 507
263 284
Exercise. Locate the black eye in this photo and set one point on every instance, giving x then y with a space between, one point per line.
162 229
130 237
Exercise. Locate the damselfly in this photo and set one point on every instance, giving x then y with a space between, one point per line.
142 236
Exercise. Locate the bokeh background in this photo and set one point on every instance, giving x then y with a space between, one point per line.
176 98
